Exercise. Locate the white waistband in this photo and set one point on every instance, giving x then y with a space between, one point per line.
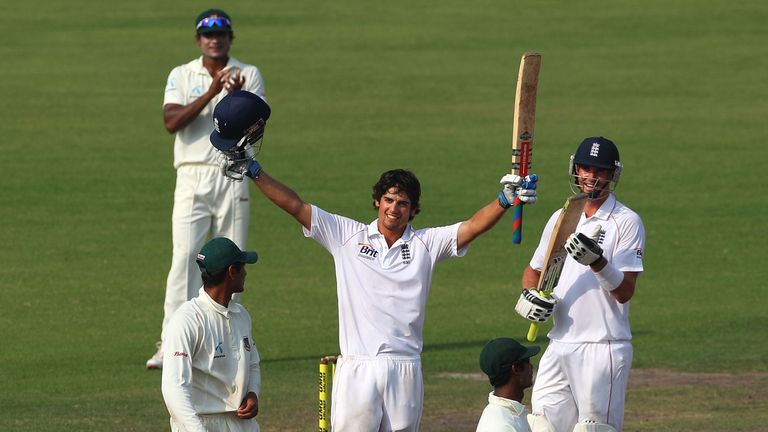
381 357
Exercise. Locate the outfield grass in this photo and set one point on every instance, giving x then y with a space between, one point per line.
358 88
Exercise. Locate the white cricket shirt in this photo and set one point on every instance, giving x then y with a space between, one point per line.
585 312
503 415
210 361
187 83
382 291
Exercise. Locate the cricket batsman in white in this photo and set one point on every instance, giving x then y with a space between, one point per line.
383 273
582 378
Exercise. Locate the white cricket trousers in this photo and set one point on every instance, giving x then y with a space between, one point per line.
371 394
582 381
204 203
225 422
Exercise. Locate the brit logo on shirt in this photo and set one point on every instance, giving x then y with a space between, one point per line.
405 253
367 251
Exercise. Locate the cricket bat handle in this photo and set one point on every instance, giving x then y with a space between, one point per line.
517 221
533 331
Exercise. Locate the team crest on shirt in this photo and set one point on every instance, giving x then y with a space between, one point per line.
601 237
246 344
367 251
219 351
405 253
639 253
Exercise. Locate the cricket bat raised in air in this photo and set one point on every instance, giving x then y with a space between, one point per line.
522 129
553 262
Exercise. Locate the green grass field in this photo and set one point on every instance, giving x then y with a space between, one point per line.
358 88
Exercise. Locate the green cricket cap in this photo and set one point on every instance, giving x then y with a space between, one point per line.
213 20
498 356
221 252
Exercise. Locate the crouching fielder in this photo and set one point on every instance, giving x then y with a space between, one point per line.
582 377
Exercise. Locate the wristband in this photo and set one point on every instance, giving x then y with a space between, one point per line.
254 169
609 277
503 202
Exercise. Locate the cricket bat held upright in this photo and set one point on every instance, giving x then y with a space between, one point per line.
522 129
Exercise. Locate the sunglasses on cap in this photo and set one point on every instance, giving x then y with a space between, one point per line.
214 22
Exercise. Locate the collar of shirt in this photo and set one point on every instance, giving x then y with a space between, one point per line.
211 304
516 407
373 232
606 209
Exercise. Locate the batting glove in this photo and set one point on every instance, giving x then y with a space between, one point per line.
533 306
585 250
253 170
515 186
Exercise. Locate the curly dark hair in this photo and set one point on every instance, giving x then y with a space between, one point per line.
403 181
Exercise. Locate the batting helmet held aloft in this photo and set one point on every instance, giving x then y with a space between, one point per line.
240 114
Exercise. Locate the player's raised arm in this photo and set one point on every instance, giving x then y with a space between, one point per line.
283 197
484 219
239 122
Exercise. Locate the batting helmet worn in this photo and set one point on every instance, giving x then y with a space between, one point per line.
597 152
241 114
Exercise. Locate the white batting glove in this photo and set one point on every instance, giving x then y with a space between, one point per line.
535 307
515 186
585 250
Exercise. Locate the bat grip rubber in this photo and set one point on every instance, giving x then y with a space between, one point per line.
517 221
533 331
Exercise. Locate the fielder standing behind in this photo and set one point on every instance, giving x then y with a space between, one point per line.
383 274
204 202
211 378
582 378
509 370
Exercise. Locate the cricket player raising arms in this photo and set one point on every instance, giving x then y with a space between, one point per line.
204 202
383 274
582 377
